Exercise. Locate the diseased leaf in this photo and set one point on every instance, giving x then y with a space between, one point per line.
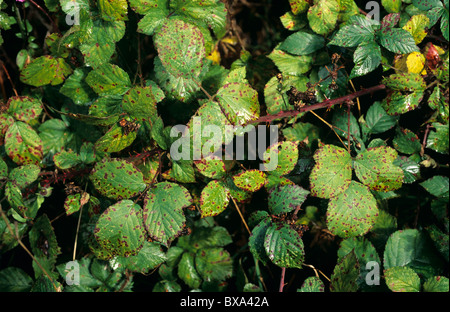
331 175
374 167
109 79
250 180
323 15
286 198
181 48
402 279
22 144
45 70
163 211
117 179
353 212
120 230
284 246
24 108
214 198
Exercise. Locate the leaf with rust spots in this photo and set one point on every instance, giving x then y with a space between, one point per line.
353 212
45 70
250 180
24 108
332 172
23 145
375 168
164 218
214 198
286 198
181 48
120 229
117 179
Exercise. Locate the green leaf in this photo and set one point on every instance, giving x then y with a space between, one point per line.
257 240
284 246
411 169
397 103
331 175
24 175
155 12
352 212
140 103
24 108
74 202
76 88
436 284
323 15
413 249
402 279
250 180
117 179
367 58
214 198
119 229
3 169
437 101
13 279
293 22
211 13
440 240
406 141
392 6
438 139
374 167
180 88
397 40
66 159
239 102
163 211
286 198
312 284
109 80
299 6
115 140
425 5
43 245
405 82
377 120
149 258
284 155
113 10
437 186
357 30
302 43
345 274
45 70
98 46
181 48
214 264
187 272
22 144
211 166
294 65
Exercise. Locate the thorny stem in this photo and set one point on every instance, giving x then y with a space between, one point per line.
324 104
283 273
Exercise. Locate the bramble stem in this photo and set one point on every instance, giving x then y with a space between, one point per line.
324 104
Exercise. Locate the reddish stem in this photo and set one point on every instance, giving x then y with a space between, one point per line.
324 104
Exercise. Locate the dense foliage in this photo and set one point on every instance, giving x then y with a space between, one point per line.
348 100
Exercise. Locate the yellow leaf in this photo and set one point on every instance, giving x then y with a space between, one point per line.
214 57
416 63
230 40
416 27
